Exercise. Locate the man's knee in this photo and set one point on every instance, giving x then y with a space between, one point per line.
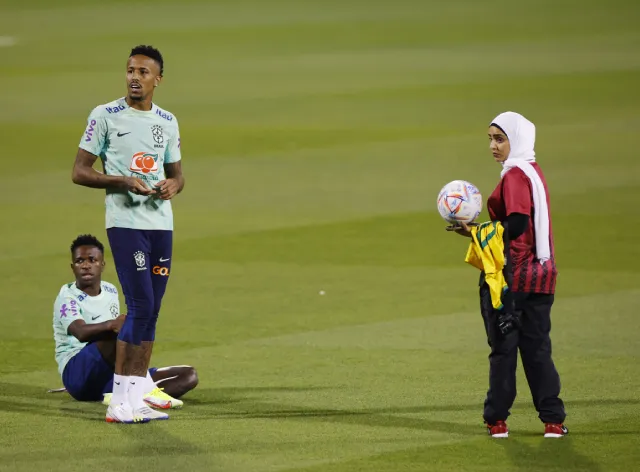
140 322
137 329
191 378
149 330
141 304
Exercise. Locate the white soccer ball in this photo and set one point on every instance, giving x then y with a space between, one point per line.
459 201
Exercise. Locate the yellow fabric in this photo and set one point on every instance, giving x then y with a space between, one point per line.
486 252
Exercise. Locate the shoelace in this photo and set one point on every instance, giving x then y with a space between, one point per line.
145 410
159 392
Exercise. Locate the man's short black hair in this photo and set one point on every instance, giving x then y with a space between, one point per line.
151 52
86 240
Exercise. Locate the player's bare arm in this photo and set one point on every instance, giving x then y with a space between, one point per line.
174 183
86 333
84 174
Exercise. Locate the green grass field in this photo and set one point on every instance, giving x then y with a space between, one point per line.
316 136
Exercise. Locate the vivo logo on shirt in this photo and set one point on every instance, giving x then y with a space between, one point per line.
164 115
115 109
90 130
72 307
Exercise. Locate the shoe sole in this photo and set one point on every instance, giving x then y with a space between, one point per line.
115 421
553 435
164 406
500 435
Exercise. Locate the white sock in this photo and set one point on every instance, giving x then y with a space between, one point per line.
149 384
136 391
120 386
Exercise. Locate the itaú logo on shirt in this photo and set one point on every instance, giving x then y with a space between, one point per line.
144 162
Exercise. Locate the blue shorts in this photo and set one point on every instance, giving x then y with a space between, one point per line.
87 375
143 263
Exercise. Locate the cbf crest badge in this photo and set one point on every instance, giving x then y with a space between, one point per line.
157 133
138 256
113 308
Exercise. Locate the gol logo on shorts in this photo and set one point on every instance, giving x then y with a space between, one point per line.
160 271
144 162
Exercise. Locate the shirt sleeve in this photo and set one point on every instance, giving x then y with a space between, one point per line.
516 192
172 153
67 310
95 135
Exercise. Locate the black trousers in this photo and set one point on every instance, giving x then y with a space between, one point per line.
533 341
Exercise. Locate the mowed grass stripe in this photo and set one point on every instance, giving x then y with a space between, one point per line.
394 241
249 88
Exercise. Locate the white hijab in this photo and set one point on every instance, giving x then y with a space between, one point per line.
522 137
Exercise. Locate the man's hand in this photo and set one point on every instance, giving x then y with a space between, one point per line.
137 186
116 325
461 228
168 188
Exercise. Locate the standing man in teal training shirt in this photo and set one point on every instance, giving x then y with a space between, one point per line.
139 146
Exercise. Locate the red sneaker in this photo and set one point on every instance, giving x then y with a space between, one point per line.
555 430
498 430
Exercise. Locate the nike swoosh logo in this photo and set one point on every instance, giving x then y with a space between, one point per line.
123 134
93 318
164 260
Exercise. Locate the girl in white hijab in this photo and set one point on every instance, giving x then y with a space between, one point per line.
523 324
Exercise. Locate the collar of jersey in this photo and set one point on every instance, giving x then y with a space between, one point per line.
92 297
124 103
